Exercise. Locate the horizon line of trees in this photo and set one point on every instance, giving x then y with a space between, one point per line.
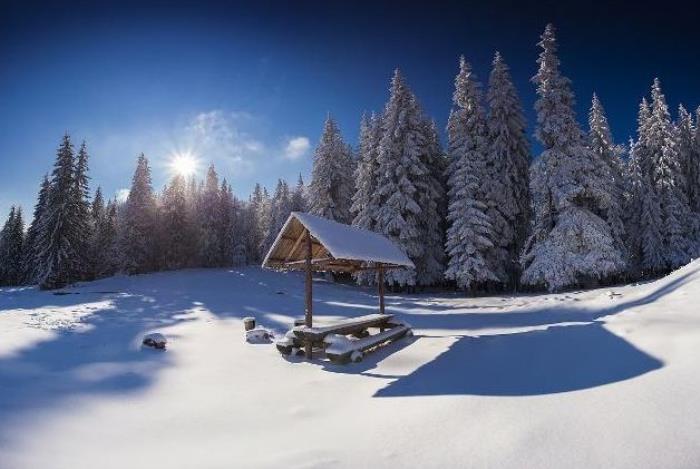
480 215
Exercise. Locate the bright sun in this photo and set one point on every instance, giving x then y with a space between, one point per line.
184 164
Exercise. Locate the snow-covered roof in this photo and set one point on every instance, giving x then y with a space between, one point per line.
335 246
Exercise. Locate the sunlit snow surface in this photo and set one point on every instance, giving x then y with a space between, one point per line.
579 379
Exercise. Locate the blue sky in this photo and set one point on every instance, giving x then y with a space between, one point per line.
247 85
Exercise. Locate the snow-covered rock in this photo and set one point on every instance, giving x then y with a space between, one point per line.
259 335
155 340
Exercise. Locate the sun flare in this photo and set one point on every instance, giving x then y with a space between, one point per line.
184 164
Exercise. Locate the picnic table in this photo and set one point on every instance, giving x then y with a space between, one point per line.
332 338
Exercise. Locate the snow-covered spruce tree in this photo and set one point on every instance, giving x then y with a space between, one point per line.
668 182
633 195
209 218
508 163
258 223
695 201
83 221
684 132
572 244
299 196
402 174
246 224
364 199
11 245
177 249
226 225
366 172
685 143
56 240
644 211
105 262
29 257
430 266
601 142
281 207
470 232
97 209
194 195
331 187
138 225
97 216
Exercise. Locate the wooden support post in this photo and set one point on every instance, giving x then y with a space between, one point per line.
381 288
308 313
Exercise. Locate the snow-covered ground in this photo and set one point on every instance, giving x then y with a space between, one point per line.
581 379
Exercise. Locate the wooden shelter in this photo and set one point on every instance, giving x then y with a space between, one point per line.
310 243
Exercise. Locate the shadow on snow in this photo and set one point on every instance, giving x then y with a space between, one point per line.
104 356
558 359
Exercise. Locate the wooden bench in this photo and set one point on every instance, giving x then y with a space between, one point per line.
342 350
357 327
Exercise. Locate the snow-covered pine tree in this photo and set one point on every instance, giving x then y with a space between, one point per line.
668 182
246 226
97 216
430 266
177 248
633 195
644 211
209 217
29 261
331 187
226 225
365 199
685 143
508 167
264 222
256 223
366 172
97 210
139 223
684 132
105 238
281 207
694 182
56 251
402 174
194 195
82 231
11 246
606 151
571 244
470 232
299 196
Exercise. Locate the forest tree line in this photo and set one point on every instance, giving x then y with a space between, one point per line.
480 214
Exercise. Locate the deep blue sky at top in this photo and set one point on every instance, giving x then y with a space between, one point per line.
236 82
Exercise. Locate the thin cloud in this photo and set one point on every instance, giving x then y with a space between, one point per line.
296 147
216 136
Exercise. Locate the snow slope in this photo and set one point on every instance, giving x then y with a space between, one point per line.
576 380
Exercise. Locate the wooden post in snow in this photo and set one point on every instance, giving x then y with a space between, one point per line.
381 288
308 313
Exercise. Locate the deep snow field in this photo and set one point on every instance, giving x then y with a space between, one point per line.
572 380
